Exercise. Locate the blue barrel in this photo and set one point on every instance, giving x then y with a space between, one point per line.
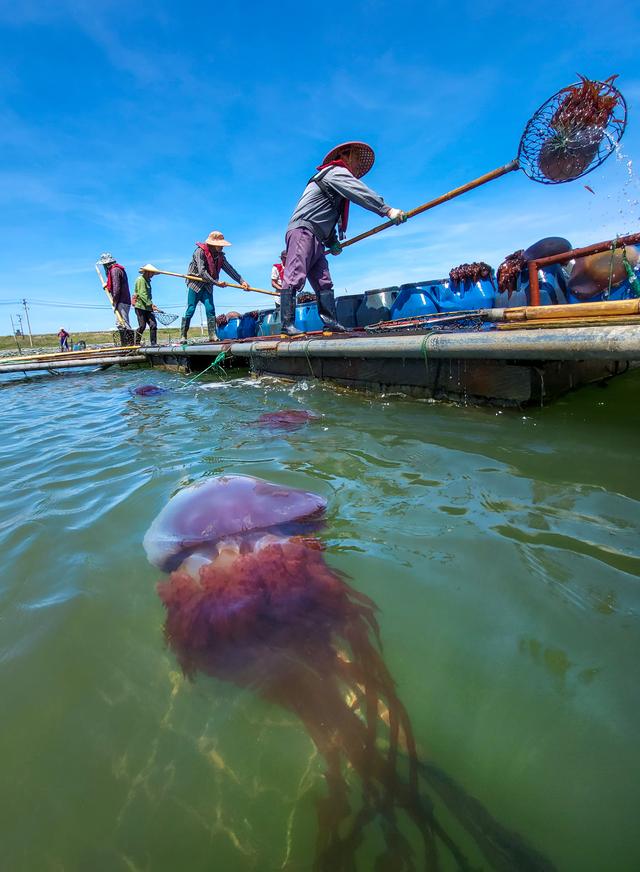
230 329
248 326
307 318
270 324
453 297
376 306
413 301
346 310
553 289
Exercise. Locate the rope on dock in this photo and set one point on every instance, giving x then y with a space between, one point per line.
216 364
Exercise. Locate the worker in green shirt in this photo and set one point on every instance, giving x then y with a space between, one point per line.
144 305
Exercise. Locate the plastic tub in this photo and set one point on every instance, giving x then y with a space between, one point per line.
452 297
346 310
270 324
376 306
413 301
307 318
230 329
248 326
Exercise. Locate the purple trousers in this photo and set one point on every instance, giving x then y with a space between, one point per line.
305 260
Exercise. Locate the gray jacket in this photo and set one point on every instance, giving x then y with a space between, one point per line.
318 213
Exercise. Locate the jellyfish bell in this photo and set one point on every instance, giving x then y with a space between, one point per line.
595 273
286 419
148 391
566 155
226 507
250 600
547 247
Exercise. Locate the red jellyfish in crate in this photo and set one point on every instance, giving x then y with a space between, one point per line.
251 600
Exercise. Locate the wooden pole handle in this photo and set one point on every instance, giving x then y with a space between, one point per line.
456 192
164 272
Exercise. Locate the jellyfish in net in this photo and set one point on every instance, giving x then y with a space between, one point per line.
250 600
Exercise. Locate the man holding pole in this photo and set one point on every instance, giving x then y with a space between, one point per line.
207 262
320 220
144 306
117 286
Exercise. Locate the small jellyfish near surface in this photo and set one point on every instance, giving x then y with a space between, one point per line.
251 600
148 391
286 419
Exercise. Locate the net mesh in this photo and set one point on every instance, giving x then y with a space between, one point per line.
165 318
573 132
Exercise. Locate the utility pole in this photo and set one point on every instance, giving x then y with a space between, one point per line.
26 311
13 327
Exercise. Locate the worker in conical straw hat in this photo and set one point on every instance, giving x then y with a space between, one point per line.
144 304
319 221
207 262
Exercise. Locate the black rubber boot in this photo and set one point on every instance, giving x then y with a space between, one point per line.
153 335
184 329
288 313
327 312
122 334
211 328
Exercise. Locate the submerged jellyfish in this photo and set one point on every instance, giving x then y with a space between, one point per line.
148 391
286 419
251 600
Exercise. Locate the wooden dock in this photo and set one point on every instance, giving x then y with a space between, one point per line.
59 361
517 367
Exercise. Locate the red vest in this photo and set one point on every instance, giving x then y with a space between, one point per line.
214 262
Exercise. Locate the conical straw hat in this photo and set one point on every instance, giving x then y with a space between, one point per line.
148 268
362 158
216 238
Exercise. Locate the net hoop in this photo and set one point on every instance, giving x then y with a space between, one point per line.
165 318
553 151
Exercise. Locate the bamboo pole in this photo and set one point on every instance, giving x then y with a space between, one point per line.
75 355
73 364
573 310
164 272
566 323
120 320
444 198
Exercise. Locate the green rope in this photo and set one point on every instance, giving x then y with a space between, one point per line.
306 354
634 282
423 349
613 252
216 364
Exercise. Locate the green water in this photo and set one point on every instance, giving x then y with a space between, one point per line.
502 552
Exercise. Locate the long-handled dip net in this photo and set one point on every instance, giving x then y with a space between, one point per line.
165 318
569 136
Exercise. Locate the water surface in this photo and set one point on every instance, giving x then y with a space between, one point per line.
500 547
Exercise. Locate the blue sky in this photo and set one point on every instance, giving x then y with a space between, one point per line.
137 128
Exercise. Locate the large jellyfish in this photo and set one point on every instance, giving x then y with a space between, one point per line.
148 391
286 419
251 600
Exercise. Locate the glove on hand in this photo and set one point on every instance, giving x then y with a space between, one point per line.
335 248
397 216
